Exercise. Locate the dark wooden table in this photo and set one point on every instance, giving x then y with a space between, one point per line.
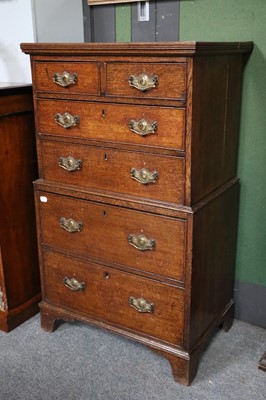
19 269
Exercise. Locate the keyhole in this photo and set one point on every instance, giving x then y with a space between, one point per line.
105 157
106 275
104 213
103 113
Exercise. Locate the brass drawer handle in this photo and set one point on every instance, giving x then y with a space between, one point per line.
144 176
140 242
143 82
71 225
141 305
65 79
66 120
69 163
73 284
143 127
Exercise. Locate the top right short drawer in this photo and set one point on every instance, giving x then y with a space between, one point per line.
146 80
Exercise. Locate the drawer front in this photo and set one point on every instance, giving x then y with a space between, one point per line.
76 77
139 125
146 80
139 240
133 173
109 295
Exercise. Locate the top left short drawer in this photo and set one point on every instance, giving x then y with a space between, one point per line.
63 77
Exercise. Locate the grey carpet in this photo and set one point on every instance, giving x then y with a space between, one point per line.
81 362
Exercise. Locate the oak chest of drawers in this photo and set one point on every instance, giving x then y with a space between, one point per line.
137 198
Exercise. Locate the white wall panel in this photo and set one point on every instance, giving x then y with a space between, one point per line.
16 26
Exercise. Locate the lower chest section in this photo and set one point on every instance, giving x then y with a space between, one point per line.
123 266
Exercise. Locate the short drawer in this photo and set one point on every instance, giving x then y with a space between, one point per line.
132 173
67 77
138 125
146 80
113 296
138 240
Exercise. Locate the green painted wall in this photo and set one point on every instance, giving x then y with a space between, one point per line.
240 20
123 22
235 20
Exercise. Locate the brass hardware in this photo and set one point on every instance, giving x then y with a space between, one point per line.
69 163
141 242
143 82
66 120
71 225
65 79
73 284
141 305
142 127
144 176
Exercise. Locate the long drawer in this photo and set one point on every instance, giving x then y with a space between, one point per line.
142 241
138 125
134 173
130 301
